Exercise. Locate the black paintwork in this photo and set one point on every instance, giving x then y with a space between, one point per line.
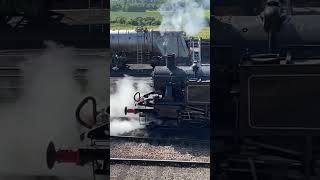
265 95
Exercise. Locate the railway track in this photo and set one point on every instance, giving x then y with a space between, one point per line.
167 149
148 162
155 162
163 141
124 171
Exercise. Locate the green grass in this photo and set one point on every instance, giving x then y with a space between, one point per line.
205 33
131 15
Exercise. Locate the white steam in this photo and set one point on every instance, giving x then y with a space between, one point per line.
44 113
183 15
122 93
205 4
119 127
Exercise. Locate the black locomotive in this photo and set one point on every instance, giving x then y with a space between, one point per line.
98 152
181 96
266 94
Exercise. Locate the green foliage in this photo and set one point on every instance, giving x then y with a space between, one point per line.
116 6
148 19
135 5
137 21
140 5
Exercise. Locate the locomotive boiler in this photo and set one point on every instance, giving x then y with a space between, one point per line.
266 94
151 41
181 96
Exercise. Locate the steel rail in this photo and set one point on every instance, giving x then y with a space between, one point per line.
155 162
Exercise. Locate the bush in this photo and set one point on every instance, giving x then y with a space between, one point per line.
140 6
138 21
115 6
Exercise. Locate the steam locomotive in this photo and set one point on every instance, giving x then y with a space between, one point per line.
181 96
98 154
266 95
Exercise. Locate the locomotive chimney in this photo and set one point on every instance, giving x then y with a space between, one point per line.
272 16
171 61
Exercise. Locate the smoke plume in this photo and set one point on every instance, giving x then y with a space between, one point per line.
122 92
45 112
119 126
183 15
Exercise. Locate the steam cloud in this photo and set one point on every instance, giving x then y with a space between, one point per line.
183 15
45 112
122 93
118 127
